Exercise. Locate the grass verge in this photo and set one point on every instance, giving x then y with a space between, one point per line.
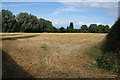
106 60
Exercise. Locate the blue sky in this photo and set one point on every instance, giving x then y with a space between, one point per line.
62 13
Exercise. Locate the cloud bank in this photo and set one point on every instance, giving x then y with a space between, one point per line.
77 24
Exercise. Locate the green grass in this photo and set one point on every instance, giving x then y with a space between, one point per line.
44 47
94 51
106 60
56 74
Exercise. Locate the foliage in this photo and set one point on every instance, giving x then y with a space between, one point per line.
110 49
107 29
8 21
93 28
24 22
27 22
52 29
108 61
112 44
70 29
108 54
71 25
84 29
44 24
62 30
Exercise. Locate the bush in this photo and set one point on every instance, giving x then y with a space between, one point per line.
111 49
108 61
112 42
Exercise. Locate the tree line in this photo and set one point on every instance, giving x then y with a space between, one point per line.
24 22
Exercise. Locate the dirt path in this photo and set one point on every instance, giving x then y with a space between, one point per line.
45 55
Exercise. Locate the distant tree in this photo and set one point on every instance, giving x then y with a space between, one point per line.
52 29
49 29
70 29
100 28
56 30
84 29
76 30
106 29
71 25
93 28
25 22
62 30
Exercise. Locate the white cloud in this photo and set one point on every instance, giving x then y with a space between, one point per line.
77 24
15 5
111 8
76 6
26 4
60 23
92 4
66 9
101 4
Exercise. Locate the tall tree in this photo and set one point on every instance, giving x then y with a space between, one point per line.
28 22
70 28
8 21
71 25
44 24
22 19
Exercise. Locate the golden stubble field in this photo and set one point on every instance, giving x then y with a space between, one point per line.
50 55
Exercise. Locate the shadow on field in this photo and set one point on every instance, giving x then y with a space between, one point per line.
10 34
10 69
15 38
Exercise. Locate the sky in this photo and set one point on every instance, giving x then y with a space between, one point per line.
62 13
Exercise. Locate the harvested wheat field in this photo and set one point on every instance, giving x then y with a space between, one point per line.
50 55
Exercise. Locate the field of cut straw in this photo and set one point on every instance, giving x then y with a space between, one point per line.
50 55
